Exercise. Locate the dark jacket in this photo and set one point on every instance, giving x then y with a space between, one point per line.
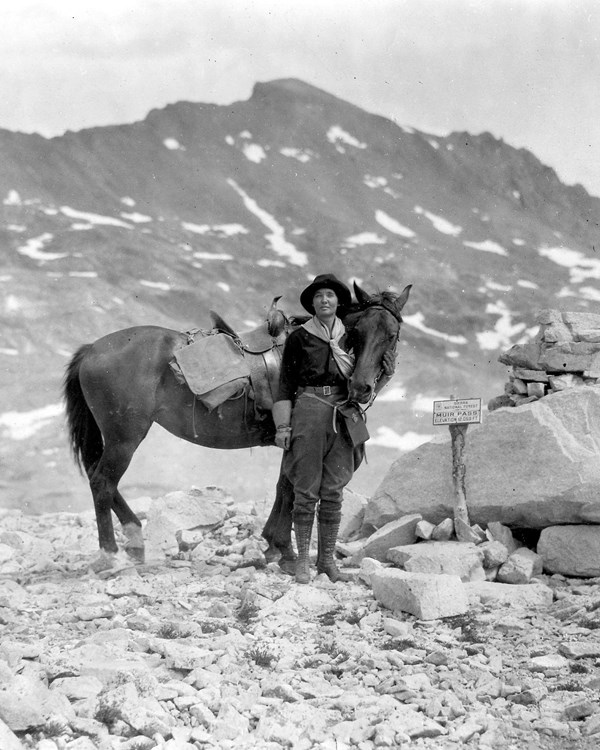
307 360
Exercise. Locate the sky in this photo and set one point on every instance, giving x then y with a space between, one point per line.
528 71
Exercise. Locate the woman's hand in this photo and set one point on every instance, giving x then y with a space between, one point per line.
283 438
389 363
282 417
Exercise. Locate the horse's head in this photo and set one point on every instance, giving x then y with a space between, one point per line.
373 328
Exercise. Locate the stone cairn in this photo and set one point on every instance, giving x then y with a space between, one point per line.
564 353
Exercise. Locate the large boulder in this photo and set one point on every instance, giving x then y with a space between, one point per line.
533 466
571 550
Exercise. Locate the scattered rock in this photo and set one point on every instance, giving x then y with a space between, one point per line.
194 651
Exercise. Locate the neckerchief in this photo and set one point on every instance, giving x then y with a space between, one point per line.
344 360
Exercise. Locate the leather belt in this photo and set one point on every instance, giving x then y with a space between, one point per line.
323 390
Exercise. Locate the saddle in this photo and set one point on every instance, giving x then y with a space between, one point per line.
220 364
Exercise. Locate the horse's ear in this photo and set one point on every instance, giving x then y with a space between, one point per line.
362 296
402 299
221 325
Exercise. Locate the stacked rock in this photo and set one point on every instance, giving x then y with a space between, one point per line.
564 353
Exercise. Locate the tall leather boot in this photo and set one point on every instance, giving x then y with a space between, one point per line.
328 531
303 531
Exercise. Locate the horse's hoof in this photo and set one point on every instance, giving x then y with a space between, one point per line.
287 566
137 554
272 554
104 561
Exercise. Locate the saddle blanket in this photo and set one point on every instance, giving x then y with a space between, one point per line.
213 367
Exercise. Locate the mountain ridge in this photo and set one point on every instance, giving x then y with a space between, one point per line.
201 206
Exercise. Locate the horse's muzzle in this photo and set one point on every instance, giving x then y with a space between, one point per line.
361 393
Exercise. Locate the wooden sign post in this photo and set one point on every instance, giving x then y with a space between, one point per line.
458 414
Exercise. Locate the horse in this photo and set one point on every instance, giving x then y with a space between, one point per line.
115 389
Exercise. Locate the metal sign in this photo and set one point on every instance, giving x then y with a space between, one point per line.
457 411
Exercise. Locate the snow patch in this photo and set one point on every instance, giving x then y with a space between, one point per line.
374 182
364 238
91 218
388 438
337 135
9 352
581 267
495 287
34 249
201 255
221 230
296 153
518 242
265 263
527 284
16 228
156 285
127 201
12 198
253 152
222 285
20 425
487 246
417 321
135 217
173 144
433 144
442 225
276 238
83 274
392 393
589 293
392 225
503 333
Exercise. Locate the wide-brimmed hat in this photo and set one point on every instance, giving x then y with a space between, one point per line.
325 281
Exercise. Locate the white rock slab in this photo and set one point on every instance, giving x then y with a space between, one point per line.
428 597
449 558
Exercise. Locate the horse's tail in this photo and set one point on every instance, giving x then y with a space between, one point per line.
84 433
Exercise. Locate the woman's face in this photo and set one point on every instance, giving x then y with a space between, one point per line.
325 303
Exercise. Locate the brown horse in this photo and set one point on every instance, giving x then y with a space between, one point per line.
117 387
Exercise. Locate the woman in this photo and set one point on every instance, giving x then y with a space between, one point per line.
319 459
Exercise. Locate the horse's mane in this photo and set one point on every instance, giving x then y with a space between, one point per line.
386 299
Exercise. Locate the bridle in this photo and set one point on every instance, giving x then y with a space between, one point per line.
381 305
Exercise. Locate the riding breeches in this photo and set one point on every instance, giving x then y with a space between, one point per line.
320 462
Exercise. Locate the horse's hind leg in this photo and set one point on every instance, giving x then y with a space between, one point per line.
104 482
131 526
278 528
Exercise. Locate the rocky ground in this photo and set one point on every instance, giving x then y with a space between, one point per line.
211 647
